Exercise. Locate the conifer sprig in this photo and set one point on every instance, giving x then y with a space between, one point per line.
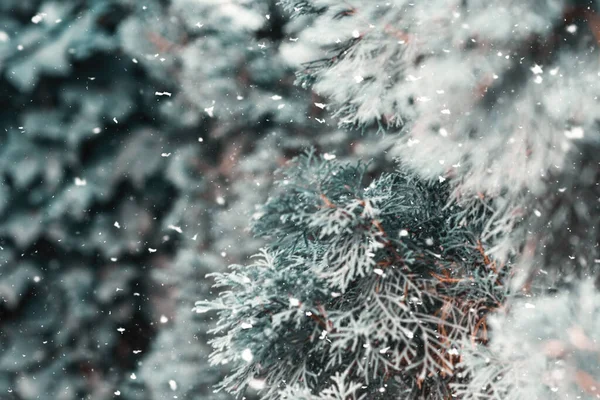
372 281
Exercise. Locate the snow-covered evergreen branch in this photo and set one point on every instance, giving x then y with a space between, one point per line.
378 283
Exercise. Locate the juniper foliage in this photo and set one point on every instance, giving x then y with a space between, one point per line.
371 285
500 109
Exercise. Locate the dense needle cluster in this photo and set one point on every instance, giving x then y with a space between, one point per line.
372 284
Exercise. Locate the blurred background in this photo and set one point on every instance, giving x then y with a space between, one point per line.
137 139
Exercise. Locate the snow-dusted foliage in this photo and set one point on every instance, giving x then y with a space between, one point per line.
340 389
540 348
472 94
372 287
497 96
